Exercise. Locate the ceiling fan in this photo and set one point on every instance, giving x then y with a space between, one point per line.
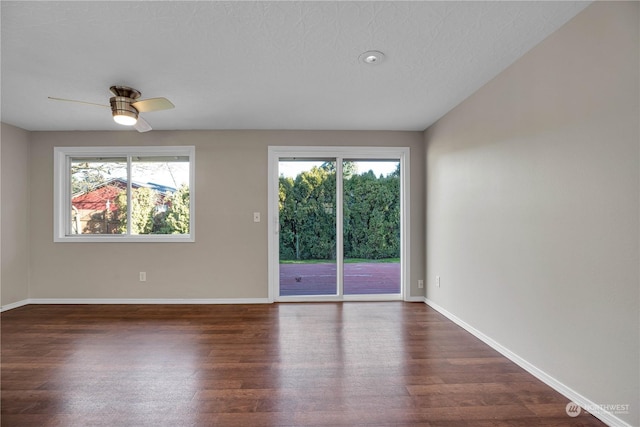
125 106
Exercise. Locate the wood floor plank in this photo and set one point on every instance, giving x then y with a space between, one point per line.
297 364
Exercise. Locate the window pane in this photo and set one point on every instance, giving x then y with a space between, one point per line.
98 187
307 198
160 195
371 231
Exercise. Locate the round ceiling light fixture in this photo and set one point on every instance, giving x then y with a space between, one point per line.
372 57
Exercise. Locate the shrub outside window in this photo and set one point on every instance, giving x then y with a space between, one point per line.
124 194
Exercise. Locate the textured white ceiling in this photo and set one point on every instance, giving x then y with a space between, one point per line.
261 65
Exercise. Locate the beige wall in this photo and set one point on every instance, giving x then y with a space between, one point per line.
533 207
229 257
14 152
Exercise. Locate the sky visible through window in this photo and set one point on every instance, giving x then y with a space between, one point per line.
170 174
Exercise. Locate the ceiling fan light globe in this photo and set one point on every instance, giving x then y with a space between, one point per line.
123 112
125 120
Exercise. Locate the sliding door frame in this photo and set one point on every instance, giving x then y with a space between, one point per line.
275 153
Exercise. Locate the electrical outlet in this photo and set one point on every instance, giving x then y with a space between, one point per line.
256 217
143 276
438 281
420 284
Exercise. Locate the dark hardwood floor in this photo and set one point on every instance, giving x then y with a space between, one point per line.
308 364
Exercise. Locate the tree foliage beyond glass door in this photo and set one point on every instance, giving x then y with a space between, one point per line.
307 215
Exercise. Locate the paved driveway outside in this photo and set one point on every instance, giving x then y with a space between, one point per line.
320 279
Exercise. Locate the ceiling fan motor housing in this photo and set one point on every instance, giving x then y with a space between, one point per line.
125 91
121 106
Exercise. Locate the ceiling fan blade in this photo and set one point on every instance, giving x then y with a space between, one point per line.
78 102
152 104
142 125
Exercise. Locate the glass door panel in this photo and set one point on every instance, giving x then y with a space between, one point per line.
371 227
307 227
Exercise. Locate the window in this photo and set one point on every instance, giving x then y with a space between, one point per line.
124 194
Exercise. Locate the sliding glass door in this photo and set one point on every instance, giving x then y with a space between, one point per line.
336 225
307 223
371 227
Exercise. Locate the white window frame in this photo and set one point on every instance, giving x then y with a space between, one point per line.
62 192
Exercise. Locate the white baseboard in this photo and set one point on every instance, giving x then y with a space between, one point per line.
604 416
14 305
140 301
414 299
